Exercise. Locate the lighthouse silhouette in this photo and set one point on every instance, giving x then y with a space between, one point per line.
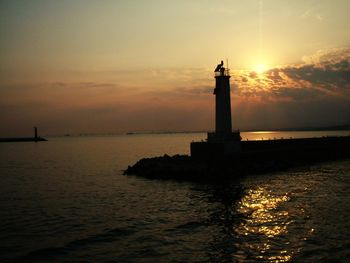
223 142
223 123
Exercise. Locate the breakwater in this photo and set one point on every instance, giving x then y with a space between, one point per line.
23 139
35 138
255 157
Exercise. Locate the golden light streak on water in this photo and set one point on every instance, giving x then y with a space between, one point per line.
263 132
259 206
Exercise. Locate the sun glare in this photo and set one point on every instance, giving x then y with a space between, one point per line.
260 68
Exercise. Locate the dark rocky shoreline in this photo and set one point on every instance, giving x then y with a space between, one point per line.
183 167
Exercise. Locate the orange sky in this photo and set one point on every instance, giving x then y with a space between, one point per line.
119 66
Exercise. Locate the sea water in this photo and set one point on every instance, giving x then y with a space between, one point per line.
66 200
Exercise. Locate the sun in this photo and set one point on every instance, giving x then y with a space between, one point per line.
260 68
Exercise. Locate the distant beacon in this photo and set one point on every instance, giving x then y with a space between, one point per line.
223 141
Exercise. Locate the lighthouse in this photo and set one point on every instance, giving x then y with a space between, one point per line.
223 121
223 124
223 142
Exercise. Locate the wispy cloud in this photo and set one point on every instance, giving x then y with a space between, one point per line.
313 14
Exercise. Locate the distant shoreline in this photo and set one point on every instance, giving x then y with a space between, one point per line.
301 129
297 129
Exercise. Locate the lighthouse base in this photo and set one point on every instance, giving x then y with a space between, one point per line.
214 150
217 146
224 137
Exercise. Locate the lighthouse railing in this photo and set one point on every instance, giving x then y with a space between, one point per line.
223 72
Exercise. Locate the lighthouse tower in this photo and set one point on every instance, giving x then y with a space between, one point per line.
223 122
223 142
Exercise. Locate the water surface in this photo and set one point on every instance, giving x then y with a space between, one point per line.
66 200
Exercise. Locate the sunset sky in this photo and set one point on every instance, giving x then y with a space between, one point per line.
83 66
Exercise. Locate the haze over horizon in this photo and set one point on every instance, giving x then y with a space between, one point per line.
118 66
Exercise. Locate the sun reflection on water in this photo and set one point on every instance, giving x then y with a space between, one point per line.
265 220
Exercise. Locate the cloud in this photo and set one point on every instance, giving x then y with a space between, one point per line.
102 107
312 13
313 93
324 72
327 56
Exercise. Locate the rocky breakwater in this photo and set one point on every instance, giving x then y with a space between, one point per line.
255 158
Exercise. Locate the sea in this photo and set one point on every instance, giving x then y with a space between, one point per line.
67 200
